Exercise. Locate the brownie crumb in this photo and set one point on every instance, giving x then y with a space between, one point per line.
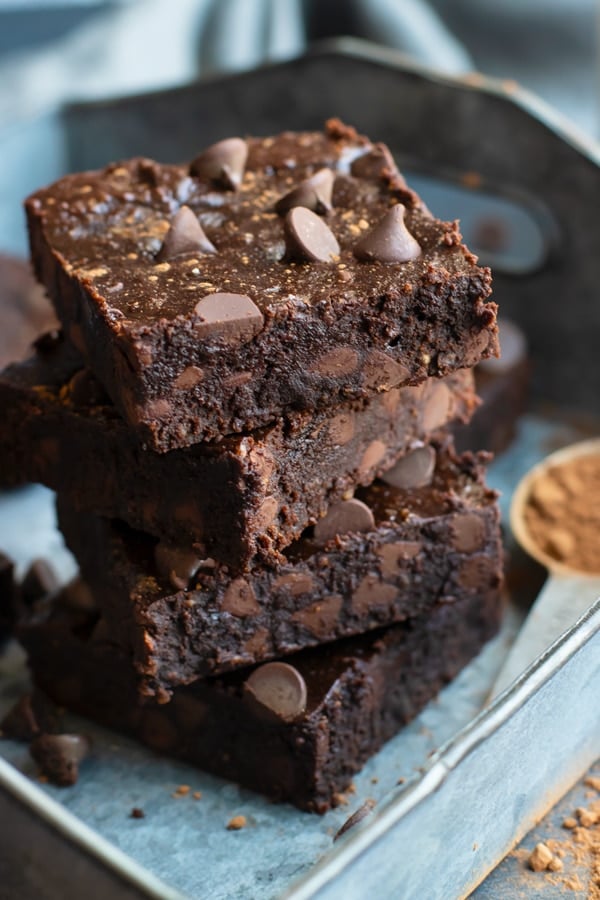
569 823
197 795
59 755
586 817
593 781
237 823
540 858
182 791
137 813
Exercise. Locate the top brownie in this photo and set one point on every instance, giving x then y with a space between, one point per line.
292 272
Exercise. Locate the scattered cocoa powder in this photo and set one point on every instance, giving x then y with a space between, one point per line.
562 512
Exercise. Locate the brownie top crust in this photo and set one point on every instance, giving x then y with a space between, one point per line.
115 232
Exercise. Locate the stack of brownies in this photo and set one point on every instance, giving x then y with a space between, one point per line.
246 420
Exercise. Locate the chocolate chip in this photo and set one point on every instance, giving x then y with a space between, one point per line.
389 241
295 583
336 363
189 378
321 617
341 428
356 817
344 517
40 581
223 162
177 564
185 235
468 532
313 193
371 593
308 238
395 556
84 390
438 405
240 600
233 317
371 457
374 163
280 687
59 755
414 470
137 813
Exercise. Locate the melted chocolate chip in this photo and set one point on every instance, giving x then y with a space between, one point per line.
59 755
308 238
389 241
223 162
348 515
437 408
412 471
232 317
240 600
176 564
280 687
468 532
185 235
314 193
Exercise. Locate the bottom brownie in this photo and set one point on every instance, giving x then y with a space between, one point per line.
295 731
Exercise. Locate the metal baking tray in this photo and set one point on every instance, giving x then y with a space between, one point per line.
474 781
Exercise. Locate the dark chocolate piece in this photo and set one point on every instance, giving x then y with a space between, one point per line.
342 518
243 499
309 238
428 545
360 692
389 241
59 756
280 688
414 470
94 240
185 236
314 193
231 317
223 162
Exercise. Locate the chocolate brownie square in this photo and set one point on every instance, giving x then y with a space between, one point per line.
244 498
429 535
269 274
296 730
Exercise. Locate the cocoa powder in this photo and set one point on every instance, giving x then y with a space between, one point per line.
562 513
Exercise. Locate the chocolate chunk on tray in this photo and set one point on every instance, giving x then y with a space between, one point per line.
270 274
242 499
358 693
390 554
